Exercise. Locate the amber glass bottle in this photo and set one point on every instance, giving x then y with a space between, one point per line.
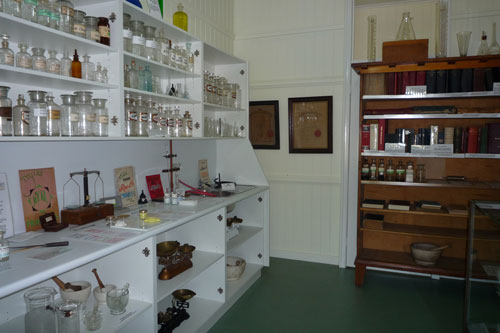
104 30
76 66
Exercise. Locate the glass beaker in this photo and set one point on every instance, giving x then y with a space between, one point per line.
406 31
68 317
40 315
117 300
463 38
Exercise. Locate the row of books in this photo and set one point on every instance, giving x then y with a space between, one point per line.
424 205
437 81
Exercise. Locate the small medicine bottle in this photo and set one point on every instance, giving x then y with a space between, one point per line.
143 214
4 247
166 198
76 66
174 200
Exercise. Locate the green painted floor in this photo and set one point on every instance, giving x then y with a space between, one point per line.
297 296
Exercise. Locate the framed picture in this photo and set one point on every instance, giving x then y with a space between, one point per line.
310 125
265 125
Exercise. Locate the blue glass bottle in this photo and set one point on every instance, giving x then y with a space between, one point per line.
148 79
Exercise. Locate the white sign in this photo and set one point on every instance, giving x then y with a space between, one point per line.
154 8
496 88
6 222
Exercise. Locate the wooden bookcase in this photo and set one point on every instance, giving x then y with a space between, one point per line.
390 248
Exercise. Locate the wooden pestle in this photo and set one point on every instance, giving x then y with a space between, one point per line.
67 285
101 285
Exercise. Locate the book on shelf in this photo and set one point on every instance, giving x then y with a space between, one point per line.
399 205
494 138
483 140
420 78
478 77
467 79
373 136
472 142
365 137
373 203
457 209
373 221
430 81
378 112
435 109
382 129
426 204
389 83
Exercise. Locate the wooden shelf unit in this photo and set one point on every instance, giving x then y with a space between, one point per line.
390 248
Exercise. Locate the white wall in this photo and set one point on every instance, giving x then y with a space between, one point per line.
295 48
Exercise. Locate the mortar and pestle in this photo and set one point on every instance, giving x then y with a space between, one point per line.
102 289
77 291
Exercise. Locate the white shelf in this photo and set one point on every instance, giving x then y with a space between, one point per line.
216 57
200 311
201 261
430 96
44 81
390 154
174 33
217 107
251 273
435 116
160 97
493 156
245 233
36 35
160 69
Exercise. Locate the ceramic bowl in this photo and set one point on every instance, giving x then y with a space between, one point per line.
100 294
235 266
425 254
77 296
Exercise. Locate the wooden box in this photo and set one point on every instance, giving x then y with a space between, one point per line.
84 215
405 50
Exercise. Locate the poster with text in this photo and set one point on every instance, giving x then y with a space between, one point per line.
38 195
6 222
155 187
126 185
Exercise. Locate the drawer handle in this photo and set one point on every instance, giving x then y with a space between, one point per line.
220 290
146 252
219 217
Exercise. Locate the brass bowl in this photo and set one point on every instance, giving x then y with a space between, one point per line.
183 294
186 248
165 249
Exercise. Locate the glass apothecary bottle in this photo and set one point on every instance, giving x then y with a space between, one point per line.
173 56
43 13
99 74
88 69
12 7
389 172
188 125
133 76
28 10
420 173
400 172
53 65
6 54
39 115
104 31
190 55
69 116
151 50
163 47
5 112
55 16
67 13
21 117
76 66
148 79
142 117
102 118
53 117
170 122
152 117
66 64
179 57
180 18
86 114
79 28
39 60
127 33
23 58
91 29
138 38
178 122
130 117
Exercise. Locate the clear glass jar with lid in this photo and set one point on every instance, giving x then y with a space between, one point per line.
69 116
127 33
79 28
91 30
28 10
236 95
102 118
188 125
179 57
142 117
40 112
86 113
151 50
138 38
53 65
152 118
173 56
53 117
130 117
6 54
40 309
66 64
55 16
67 12
163 47
39 60
21 117
43 13
88 69
190 58
5 112
12 7
23 58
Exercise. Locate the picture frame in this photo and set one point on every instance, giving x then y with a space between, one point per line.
310 125
264 124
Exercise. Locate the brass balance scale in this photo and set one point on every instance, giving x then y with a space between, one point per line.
174 257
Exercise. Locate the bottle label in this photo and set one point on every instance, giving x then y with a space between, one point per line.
132 116
138 40
164 49
373 169
127 34
9 59
67 11
155 118
31 2
103 119
55 16
43 12
40 64
390 171
209 88
55 68
73 117
365 170
78 28
104 31
40 112
95 35
179 60
25 62
172 57
91 117
54 114
400 171
163 122
25 117
143 116
179 122
171 122
4 252
6 111
381 171
233 94
190 124
151 44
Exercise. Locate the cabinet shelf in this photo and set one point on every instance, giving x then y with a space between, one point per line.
245 233
160 97
435 116
159 68
46 81
412 212
469 94
217 107
383 153
437 183
37 35
200 311
251 273
201 261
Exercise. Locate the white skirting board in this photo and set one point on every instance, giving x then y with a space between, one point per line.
312 257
